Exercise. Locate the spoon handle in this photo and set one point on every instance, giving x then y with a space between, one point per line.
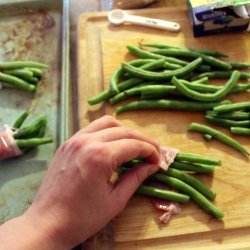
152 22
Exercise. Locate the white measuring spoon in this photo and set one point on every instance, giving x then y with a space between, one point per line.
118 17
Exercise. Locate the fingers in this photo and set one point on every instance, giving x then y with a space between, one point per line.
118 133
127 149
130 181
100 124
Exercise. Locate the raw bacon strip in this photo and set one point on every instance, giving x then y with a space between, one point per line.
167 156
169 207
8 146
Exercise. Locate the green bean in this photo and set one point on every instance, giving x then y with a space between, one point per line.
196 196
17 82
36 72
31 143
22 64
202 51
232 107
200 68
148 64
132 163
114 81
32 80
141 90
238 88
240 131
152 96
42 130
220 74
125 94
237 115
207 137
240 65
31 130
207 97
104 95
146 54
171 66
163 194
202 80
23 74
141 62
192 181
161 75
227 122
20 120
218 135
190 167
212 61
159 90
167 104
153 65
203 68
196 158
155 96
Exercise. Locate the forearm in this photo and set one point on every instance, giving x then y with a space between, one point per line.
68 207
23 233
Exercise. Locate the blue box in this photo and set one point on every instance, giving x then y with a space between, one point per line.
211 17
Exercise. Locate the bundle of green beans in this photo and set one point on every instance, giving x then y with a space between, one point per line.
181 177
32 135
181 75
22 75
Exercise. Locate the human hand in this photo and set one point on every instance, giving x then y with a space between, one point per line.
76 198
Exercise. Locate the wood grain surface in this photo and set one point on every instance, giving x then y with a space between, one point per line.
101 49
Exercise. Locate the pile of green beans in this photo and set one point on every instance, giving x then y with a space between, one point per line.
22 75
235 116
30 136
176 78
171 77
181 177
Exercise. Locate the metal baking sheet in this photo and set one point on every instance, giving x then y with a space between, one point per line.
33 30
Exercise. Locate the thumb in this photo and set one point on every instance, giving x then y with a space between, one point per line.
131 180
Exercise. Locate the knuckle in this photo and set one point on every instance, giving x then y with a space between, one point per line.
97 154
74 144
130 133
109 120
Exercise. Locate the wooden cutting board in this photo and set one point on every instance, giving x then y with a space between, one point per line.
101 49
